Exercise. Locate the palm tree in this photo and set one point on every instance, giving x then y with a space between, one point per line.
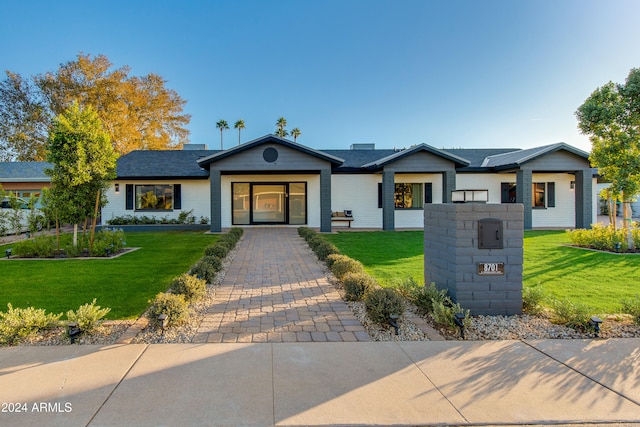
281 124
295 133
239 125
222 125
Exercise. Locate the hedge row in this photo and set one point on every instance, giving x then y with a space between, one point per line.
192 286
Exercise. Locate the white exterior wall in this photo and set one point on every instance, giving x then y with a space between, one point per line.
313 194
359 193
562 215
484 181
194 194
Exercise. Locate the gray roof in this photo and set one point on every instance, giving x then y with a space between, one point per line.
186 164
24 171
520 157
152 164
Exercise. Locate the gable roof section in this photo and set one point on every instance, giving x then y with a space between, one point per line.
521 157
158 164
24 171
418 148
267 140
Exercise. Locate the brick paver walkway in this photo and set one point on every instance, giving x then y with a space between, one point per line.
275 290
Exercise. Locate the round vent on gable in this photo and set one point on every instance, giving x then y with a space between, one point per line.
270 154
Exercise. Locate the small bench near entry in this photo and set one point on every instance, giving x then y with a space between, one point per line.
345 215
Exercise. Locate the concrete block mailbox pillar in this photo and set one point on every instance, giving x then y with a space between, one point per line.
475 251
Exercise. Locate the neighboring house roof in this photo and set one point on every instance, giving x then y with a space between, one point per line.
152 164
265 140
518 158
415 149
24 171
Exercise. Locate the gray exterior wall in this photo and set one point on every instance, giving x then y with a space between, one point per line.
451 256
251 160
421 162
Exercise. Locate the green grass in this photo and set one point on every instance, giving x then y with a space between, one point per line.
597 280
387 256
124 284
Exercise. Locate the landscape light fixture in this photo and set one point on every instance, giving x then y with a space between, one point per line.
595 323
459 317
8 252
73 330
393 321
164 321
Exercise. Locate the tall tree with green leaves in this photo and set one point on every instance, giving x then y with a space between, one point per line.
280 127
84 163
611 118
222 125
239 125
295 133
138 112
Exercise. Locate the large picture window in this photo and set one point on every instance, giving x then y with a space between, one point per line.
544 195
408 196
154 197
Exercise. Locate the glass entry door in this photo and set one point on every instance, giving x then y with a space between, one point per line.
269 203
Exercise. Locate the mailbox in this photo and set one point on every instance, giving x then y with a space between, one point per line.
490 234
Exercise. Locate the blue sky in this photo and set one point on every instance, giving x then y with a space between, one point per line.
452 74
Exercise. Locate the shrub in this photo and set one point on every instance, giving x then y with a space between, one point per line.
19 323
356 285
87 316
600 237
306 233
564 312
173 305
190 286
381 303
344 265
216 249
333 258
237 232
532 298
632 306
422 296
186 217
444 314
110 240
38 247
204 270
322 248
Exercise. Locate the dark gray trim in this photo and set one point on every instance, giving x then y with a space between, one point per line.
388 200
268 139
584 195
448 185
325 200
418 148
524 182
216 201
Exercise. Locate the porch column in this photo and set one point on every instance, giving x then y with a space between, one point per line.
388 201
448 185
325 200
524 188
584 198
215 183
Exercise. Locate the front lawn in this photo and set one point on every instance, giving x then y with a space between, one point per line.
597 280
124 284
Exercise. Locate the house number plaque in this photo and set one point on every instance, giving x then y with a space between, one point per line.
491 268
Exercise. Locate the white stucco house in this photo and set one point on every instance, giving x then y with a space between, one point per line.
274 181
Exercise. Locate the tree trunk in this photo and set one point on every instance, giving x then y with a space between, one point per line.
93 223
626 218
75 235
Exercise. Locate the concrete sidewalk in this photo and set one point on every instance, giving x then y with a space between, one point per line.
359 383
